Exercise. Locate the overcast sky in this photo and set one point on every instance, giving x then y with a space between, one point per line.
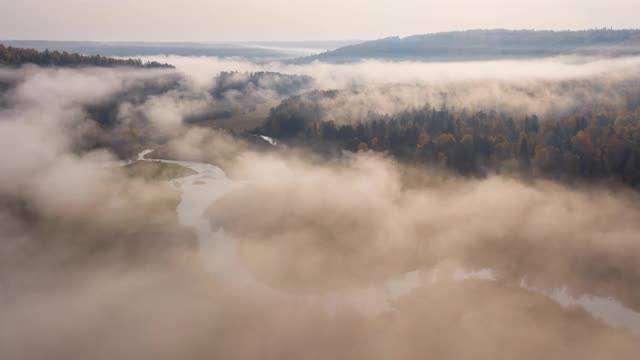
232 20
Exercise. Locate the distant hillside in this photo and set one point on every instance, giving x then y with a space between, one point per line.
488 44
12 56
255 51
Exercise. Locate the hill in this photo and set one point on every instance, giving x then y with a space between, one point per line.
254 51
487 45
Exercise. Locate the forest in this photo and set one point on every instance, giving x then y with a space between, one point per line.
581 146
320 180
393 200
13 56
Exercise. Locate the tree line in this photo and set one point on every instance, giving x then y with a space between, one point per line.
12 56
583 146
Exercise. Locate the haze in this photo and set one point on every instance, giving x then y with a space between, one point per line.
218 20
207 182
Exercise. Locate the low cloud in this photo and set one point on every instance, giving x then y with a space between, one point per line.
94 263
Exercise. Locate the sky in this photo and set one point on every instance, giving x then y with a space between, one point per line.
258 20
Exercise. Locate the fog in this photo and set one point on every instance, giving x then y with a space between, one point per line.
337 75
549 87
95 263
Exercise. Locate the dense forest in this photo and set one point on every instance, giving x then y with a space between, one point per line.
12 56
243 100
243 84
585 146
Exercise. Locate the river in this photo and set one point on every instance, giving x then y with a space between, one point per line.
219 253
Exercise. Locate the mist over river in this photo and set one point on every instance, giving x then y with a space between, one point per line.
372 210
219 255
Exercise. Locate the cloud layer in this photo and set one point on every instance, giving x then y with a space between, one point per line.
94 263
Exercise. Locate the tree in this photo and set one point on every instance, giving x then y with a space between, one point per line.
523 154
546 158
465 157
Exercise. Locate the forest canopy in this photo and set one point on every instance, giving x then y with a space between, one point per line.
575 146
12 56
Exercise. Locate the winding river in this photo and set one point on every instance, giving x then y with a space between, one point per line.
219 253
